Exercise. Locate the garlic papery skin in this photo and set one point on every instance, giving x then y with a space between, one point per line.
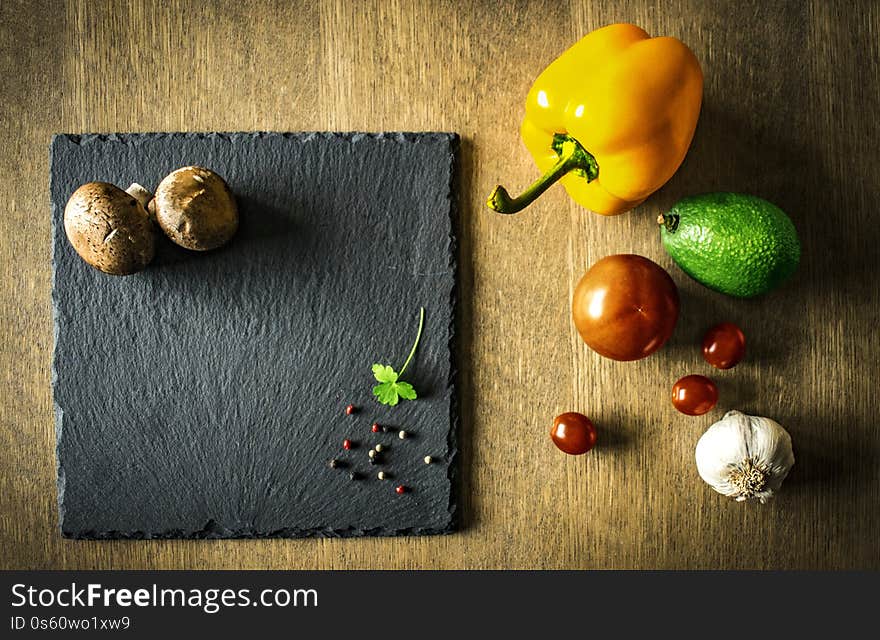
745 457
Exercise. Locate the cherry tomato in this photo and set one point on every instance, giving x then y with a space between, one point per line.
573 433
694 395
724 345
625 307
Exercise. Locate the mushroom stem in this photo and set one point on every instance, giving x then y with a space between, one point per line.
140 194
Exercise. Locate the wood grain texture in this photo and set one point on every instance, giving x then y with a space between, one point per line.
789 114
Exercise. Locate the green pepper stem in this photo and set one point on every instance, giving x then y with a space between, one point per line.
670 221
572 157
416 343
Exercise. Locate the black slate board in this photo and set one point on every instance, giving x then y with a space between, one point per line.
204 396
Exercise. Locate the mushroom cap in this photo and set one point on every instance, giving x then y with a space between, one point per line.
195 208
109 229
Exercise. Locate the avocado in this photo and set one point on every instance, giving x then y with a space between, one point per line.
737 244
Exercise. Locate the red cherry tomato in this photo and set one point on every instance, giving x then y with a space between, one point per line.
724 345
694 395
573 433
625 307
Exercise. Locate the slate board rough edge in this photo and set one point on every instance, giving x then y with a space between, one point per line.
212 530
58 411
451 383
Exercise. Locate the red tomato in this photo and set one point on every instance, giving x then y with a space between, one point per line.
573 433
694 395
724 345
625 307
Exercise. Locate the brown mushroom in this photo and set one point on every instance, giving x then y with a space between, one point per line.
195 208
110 228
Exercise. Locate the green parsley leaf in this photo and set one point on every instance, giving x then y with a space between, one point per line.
405 390
384 373
392 388
386 393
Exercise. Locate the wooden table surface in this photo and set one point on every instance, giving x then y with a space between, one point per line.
790 114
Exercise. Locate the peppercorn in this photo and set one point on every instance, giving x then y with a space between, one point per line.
347 444
428 459
379 448
350 409
353 475
400 489
402 435
334 463
376 428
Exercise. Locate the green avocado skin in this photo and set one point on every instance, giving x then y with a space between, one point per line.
737 244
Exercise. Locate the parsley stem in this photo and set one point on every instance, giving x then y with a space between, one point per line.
416 343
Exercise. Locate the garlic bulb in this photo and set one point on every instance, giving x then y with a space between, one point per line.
745 457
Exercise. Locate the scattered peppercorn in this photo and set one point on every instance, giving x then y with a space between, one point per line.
376 428
334 463
347 444
379 448
353 475
381 475
372 453
350 409
385 429
402 435
428 459
400 489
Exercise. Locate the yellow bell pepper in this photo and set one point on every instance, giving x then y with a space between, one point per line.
611 119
